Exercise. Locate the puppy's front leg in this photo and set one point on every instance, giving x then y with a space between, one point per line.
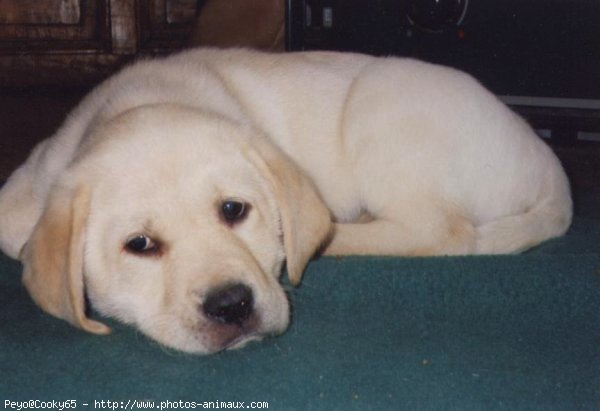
21 203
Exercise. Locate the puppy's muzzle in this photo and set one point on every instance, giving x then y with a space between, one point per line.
231 304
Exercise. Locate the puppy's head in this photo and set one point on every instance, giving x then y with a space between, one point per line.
178 222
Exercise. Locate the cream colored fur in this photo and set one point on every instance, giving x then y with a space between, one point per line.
361 155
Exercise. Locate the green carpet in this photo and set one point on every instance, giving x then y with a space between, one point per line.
468 333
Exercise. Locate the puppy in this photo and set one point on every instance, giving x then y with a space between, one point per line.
173 194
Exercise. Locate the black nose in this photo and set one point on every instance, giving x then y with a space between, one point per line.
231 304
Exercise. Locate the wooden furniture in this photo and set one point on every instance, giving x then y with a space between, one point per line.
79 42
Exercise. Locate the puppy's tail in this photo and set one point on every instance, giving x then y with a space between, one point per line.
548 218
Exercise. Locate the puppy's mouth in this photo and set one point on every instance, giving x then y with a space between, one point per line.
226 318
233 317
242 341
233 336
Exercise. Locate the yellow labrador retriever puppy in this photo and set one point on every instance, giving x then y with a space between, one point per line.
174 192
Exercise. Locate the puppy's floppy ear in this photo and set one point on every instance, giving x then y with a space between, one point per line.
53 258
306 221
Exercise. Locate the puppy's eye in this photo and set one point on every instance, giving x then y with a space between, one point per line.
234 211
142 244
